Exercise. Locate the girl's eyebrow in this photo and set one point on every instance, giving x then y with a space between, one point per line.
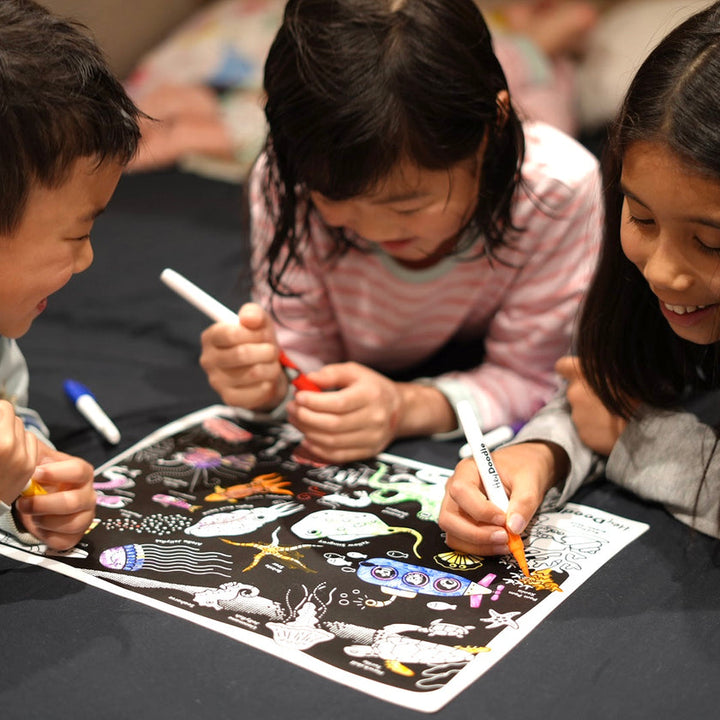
401 197
709 222
632 196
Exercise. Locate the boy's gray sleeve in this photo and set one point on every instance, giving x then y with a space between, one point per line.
14 381
554 424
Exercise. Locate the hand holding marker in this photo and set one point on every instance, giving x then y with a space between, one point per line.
220 313
489 475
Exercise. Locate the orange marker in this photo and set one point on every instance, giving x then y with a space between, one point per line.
33 487
489 475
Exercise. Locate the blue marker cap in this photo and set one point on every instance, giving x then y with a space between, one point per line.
74 390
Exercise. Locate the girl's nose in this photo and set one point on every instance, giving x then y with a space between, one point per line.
665 267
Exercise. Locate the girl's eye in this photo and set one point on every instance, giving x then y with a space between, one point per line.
709 249
640 221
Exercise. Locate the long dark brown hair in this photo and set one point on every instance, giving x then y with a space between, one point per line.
628 352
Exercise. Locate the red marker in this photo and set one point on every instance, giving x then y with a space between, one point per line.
220 313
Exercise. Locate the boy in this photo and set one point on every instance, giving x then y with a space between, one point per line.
67 130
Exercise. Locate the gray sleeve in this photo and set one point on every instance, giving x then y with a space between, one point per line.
671 458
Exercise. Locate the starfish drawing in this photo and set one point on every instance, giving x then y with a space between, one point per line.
284 553
497 620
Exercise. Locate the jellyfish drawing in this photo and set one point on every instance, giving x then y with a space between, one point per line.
166 558
198 464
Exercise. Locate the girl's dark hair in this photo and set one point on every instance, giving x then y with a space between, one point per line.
59 101
355 86
628 351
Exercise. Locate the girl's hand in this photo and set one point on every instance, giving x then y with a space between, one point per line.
472 523
241 361
18 453
596 426
61 517
356 419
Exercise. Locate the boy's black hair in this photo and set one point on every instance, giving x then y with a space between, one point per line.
59 101
628 352
353 87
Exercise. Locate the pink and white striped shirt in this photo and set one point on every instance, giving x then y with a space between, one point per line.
366 307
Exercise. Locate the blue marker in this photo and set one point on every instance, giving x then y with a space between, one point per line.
86 404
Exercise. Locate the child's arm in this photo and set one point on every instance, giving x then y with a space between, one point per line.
597 427
18 455
241 361
61 517
473 524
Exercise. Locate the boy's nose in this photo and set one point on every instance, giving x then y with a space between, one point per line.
83 257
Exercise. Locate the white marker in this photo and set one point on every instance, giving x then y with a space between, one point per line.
85 402
198 297
494 489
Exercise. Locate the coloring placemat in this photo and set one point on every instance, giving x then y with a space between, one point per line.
342 570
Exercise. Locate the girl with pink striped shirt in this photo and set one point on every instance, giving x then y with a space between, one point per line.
414 243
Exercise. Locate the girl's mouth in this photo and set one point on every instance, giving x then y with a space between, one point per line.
685 315
42 305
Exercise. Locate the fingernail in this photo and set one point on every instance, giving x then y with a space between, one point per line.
516 523
499 537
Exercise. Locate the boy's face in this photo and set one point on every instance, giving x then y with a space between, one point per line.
52 242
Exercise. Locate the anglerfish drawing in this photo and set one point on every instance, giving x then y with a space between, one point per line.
346 526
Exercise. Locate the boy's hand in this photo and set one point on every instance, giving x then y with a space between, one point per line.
596 426
241 361
61 517
475 525
18 453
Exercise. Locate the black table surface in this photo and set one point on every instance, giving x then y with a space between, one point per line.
639 639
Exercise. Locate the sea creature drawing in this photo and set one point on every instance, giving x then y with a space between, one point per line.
405 487
398 650
226 430
497 620
157 524
285 553
346 526
267 484
117 477
173 501
241 521
400 579
195 464
301 630
166 558
114 502
541 580
459 561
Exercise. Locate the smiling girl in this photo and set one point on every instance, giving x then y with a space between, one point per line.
413 242
649 333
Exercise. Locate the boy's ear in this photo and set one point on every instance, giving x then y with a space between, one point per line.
502 100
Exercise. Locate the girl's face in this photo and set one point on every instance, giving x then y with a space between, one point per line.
415 215
670 229
52 242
